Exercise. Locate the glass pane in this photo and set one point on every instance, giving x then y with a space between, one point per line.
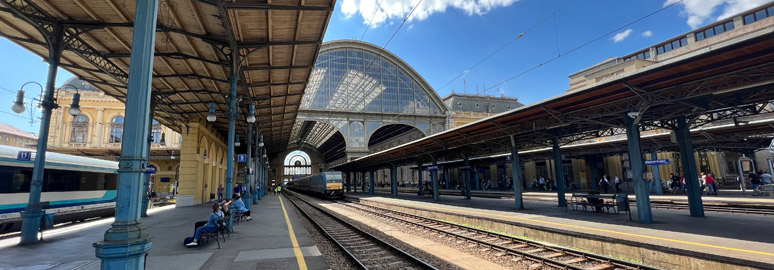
719 30
676 44
749 19
668 47
709 33
699 36
683 41
760 15
647 55
771 11
729 26
660 50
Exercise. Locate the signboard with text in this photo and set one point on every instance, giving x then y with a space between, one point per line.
432 168
657 162
24 156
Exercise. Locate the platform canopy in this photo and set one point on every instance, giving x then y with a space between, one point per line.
730 81
277 41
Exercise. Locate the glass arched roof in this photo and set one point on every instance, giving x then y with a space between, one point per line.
356 79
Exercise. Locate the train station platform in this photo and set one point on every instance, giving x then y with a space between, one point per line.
727 197
670 242
263 243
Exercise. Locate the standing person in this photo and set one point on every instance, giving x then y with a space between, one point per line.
710 182
604 183
220 193
617 184
542 183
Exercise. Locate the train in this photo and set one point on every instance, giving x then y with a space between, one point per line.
74 188
324 185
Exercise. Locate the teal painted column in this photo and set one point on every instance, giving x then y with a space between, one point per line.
248 177
230 143
347 180
641 189
467 178
657 174
371 174
265 174
558 170
146 182
354 182
256 171
126 242
434 179
394 180
689 167
33 212
363 180
475 177
593 167
419 175
446 176
516 175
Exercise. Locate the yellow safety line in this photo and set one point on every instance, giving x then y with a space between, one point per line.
592 229
296 249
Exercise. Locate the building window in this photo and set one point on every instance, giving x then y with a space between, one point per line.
156 132
759 15
116 129
672 45
298 163
14 140
717 30
80 129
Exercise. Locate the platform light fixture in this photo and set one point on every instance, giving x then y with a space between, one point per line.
75 107
18 106
236 142
251 116
260 143
211 116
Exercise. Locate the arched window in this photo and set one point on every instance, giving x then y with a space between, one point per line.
116 129
156 132
298 163
80 129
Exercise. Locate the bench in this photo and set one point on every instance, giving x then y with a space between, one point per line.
205 236
427 192
609 202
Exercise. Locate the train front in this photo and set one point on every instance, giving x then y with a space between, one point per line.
334 185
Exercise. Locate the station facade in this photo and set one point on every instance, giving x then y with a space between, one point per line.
97 133
10 135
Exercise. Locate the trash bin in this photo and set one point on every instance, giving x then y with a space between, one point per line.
622 202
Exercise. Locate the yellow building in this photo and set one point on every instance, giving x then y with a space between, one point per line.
10 135
97 132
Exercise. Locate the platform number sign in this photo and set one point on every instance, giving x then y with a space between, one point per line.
242 158
24 156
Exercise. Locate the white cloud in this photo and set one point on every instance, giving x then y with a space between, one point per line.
621 36
398 9
699 11
410 27
647 34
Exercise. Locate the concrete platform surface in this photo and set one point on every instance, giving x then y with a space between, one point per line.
735 236
263 243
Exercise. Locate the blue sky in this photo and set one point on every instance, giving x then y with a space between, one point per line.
443 38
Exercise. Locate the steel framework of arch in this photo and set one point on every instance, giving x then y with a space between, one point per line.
356 88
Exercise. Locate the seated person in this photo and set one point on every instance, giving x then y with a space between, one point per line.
211 226
597 202
239 205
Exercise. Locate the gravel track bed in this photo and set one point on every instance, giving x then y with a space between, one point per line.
335 257
429 258
464 246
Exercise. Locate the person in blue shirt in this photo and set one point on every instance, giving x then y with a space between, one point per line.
211 226
239 205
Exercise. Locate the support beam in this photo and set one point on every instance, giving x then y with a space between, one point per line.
475 178
446 177
33 212
372 180
146 181
354 182
126 243
467 177
558 171
394 180
434 179
363 181
657 184
419 175
516 175
248 178
230 143
347 181
689 167
644 212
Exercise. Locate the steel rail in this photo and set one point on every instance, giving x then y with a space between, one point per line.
419 263
543 260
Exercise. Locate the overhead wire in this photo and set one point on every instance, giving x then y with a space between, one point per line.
522 34
586 44
368 25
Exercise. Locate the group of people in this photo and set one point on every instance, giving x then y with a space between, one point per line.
220 210
605 183
760 178
706 181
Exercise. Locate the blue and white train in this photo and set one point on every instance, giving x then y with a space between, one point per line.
324 185
76 188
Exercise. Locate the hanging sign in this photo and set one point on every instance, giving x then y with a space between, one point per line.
657 162
242 158
24 156
432 168
150 169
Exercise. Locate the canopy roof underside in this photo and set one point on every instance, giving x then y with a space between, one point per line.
278 42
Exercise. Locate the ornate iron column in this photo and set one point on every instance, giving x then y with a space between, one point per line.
33 212
248 176
641 189
126 243
558 169
516 175
689 167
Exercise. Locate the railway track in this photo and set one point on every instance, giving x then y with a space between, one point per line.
541 255
366 250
